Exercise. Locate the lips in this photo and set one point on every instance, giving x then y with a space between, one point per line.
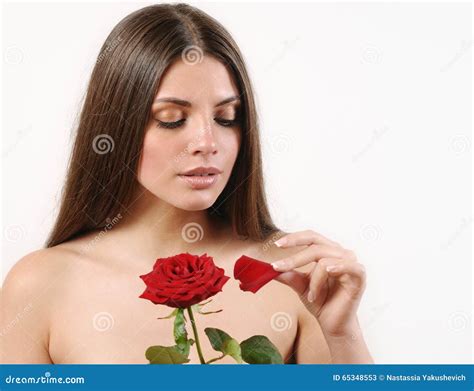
201 178
202 171
198 174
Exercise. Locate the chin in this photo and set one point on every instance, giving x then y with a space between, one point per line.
197 202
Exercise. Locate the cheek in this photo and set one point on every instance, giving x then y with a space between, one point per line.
155 160
231 146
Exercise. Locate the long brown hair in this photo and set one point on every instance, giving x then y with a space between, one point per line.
116 109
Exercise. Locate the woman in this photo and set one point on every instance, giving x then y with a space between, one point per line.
167 160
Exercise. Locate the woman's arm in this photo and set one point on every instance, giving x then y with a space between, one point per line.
310 346
24 312
330 290
313 347
349 348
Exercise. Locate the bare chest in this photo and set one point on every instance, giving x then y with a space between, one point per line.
101 319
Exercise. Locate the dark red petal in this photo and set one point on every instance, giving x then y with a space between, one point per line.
253 274
149 295
183 280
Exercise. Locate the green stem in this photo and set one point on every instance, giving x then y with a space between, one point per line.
196 336
215 359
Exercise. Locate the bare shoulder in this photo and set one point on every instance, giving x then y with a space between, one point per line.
28 297
38 269
34 270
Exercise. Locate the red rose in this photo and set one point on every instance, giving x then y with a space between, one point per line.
183 280
253 274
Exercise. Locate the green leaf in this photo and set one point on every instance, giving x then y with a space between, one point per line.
170 315
198 308
216 359
165 355
259 350
204 303
218 338
210 312
232 348
223 342
183 344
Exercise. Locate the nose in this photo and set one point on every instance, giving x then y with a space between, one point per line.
203 141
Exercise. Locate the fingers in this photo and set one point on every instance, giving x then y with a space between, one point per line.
302 238
319 277
311 254
355 270
331 260
351 274
294 279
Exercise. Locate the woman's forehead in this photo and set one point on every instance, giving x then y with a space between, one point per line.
208 79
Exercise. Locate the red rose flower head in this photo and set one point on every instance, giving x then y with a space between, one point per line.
183 280
253 274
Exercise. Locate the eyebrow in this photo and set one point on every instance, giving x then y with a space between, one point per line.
185 103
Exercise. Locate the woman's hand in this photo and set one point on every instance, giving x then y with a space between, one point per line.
332 289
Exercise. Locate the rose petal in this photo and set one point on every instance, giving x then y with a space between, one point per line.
183 280
253 274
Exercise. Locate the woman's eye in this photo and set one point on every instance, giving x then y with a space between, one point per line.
227 122
170 125
177 124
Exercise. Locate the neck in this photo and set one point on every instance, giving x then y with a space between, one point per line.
160 228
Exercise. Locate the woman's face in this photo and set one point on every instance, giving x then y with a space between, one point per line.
194 123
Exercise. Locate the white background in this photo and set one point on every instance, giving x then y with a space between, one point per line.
367 138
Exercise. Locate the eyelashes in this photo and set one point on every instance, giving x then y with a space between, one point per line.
170 125
177 124
227 122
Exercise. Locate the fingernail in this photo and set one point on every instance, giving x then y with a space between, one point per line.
279 265
280 242
310 296
333 268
